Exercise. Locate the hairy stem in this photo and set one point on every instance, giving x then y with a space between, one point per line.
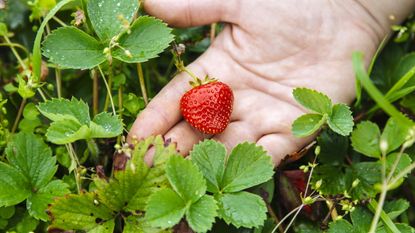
142 82
95 93
19 115
108 91
58 76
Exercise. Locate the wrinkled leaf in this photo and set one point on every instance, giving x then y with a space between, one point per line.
341 120
313 100
365 139
307 124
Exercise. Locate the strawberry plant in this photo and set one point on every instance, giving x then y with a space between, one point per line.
74 75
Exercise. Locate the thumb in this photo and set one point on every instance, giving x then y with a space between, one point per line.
188 13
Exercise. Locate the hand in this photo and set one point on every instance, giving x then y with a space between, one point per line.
267 48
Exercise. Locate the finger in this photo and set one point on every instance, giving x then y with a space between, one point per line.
237 132
281 145
163 112
188 13
184 136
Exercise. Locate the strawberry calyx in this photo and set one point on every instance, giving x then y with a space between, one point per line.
198 82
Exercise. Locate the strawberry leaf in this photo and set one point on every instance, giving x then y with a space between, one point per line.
341 120
64 109
83 212
394 134
313 100
165 209
32 158
248 165
38 202
186 179
14 187
105 125
365 139
307 124
131 188
210 157
340 226
201 214
242 209
69 47
108 16
68 131
149 37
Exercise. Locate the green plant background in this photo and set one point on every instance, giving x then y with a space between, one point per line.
64 164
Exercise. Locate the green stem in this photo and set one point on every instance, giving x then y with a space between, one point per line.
373 205
74 160
58 76
120 109
108 90
19 115
142 82
59 21
19 59
95 93
15 45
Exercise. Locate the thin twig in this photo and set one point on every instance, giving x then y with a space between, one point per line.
108 90
19 115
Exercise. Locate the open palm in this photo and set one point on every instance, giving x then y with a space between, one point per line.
266 49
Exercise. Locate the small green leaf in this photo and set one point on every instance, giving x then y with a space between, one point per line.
248 165
185 178
201 215
333 177
131 188
32 158
67 131
80 212
14 187
209 156
149 37
72 48
361 219
313 100
396 207
242 209
334 147
63 109
105 125
403 162
38 202
341 120
340 226
365 139
107 16
308 124
394 134
368 174
165 209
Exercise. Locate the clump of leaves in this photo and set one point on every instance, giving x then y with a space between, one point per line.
120 35
123 196
228 176
72 122
338 116
28 175
154 198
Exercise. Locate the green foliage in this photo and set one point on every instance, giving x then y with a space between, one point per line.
338 117
29 175
119 37
72 122
167 207
128 191
246 166
72 48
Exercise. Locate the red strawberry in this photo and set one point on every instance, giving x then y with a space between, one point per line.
208 107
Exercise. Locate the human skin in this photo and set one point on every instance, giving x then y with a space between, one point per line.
268 48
